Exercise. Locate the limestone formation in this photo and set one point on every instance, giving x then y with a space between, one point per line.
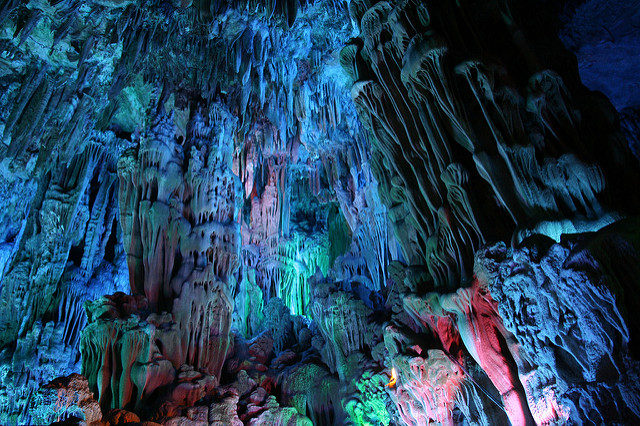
179 217
295 212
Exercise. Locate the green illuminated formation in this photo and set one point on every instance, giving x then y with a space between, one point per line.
371 403
301 259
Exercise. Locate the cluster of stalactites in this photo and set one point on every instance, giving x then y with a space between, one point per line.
285 9
462 152
370 238
64 216
342 321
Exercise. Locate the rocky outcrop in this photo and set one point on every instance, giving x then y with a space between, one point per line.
470 317
604 36
578 303
73 390
548 324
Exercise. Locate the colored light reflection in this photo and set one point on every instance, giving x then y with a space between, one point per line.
394 378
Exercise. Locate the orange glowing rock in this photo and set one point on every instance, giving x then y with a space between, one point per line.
394 378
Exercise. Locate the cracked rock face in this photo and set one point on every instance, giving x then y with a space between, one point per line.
318 212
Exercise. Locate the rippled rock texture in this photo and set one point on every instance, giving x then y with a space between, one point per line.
322 212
